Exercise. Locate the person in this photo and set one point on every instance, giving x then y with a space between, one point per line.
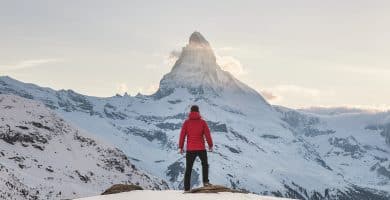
195 129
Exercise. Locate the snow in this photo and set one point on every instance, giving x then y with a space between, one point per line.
197 69
273 147
178 195
65 155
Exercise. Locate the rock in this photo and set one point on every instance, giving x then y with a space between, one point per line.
197 38
118 188
386 133
215 189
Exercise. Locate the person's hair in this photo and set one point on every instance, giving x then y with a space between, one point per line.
194 108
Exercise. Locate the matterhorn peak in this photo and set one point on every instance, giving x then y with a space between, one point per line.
197 39
198 71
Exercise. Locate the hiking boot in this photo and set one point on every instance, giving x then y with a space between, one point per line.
207 184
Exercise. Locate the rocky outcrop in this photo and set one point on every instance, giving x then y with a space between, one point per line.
215 189
118 188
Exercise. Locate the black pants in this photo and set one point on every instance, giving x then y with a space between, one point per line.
190 158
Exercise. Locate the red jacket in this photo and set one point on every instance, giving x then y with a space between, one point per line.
195 128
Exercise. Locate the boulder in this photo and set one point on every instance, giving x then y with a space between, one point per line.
118 188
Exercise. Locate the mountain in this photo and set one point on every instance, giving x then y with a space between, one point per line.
44 157
265 149
197 70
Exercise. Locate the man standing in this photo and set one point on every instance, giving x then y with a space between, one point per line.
195 129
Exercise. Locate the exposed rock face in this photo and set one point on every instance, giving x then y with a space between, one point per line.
197 39
386 133
349 147
118 188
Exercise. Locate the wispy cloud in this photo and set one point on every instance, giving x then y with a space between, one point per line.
172 58
269 95
279 93
231 64
349 108
227 63
288 94
167 62
28 64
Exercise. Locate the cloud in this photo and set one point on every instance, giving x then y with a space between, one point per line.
268 95
167 62
227 63
175 54
29 63
231 64
172 58
336 109
296 96
279 93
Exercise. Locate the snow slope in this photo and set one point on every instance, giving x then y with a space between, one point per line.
258 147
178 195
44 157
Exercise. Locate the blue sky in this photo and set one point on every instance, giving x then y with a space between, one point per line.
297 53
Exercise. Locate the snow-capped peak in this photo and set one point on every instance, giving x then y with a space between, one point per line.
197 56
198 71
197 39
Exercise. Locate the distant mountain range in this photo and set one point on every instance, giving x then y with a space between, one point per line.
269 150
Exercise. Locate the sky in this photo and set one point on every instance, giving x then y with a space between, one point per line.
301 53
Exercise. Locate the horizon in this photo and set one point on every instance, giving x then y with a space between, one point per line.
298 56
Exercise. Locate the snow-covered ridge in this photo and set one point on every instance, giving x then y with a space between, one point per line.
338 110
44 157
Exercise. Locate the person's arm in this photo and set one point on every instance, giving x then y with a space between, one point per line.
208 136
183 134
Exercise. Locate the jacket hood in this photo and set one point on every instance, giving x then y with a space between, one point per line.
194 115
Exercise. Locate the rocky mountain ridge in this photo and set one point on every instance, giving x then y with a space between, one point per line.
44 157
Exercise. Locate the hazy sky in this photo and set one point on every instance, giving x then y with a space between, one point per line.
298 53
